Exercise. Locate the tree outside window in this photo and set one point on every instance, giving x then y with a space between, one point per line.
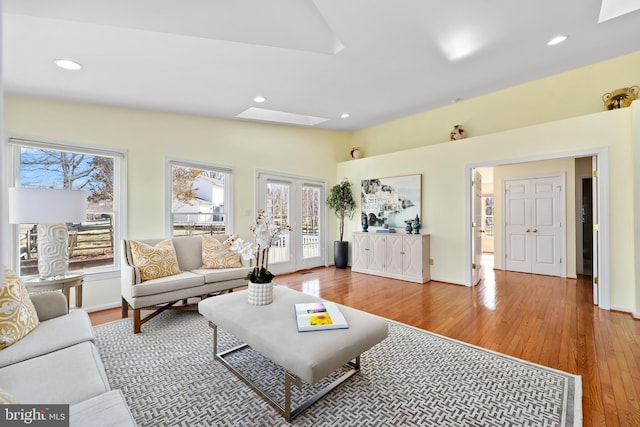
91 242
198 200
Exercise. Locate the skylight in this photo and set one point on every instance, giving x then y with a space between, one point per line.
614 8
264 114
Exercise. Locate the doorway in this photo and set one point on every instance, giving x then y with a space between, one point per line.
599 160
586 215
298 202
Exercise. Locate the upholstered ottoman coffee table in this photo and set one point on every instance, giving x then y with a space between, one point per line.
271 330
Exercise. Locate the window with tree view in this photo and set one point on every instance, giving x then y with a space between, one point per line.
91 242
199 199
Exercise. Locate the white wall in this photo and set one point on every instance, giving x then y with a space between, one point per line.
4 207
443 172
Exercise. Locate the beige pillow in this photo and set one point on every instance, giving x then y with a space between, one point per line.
155 261
218 255
18 316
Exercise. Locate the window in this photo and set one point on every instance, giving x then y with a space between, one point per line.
200 197
487 203
92 243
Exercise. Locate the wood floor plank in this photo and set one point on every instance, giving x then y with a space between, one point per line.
547 320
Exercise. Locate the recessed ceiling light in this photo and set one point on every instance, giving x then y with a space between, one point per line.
68 64
345 115
259 99
556 40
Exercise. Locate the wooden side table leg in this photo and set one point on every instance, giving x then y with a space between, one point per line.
79 295
66 292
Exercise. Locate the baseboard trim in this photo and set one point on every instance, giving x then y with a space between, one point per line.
102 307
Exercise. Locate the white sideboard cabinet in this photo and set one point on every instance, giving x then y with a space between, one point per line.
398 256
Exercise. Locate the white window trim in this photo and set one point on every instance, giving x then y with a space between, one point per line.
119 202
228 190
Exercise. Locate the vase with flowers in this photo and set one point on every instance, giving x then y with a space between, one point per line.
266 232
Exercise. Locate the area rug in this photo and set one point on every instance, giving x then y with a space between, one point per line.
413 378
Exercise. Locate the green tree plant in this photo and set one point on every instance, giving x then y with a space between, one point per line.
342 203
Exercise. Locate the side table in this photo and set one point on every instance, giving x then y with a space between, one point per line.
64 283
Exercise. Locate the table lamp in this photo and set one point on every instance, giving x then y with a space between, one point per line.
50 209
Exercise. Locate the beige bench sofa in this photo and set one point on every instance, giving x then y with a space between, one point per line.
58 363
165 292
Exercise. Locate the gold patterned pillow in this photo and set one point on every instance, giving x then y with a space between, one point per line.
6 398
155 261
18 316
218 255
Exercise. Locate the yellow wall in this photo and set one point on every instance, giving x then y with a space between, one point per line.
443 184
570 94
551 115
149 137
529 169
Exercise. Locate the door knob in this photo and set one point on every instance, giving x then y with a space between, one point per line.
528 230
535 230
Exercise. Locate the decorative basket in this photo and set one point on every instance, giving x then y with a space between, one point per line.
260 293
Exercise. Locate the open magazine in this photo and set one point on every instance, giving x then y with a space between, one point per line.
319 316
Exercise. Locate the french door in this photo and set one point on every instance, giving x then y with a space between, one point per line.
299 202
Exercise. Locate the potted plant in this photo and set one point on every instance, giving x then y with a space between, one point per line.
342 203
266 232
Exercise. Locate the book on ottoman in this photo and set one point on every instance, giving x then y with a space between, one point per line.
319 316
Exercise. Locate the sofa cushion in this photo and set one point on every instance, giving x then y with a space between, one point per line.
6 398
18 316
216 254
184 280
51 335
212 275
70 375
106 410
155 261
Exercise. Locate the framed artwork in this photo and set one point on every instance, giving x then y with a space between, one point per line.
391 201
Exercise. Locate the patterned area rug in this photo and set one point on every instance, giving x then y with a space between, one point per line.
413 378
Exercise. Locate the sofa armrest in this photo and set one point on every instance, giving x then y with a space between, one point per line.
129 275
49 305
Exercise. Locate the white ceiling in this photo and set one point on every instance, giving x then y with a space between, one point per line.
374 59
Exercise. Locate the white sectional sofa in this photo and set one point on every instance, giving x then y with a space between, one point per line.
192 281
58 363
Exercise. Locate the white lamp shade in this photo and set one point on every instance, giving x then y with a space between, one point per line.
46 206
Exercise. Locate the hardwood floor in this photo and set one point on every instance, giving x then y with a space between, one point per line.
546 320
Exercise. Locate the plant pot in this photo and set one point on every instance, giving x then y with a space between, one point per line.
260 293
340 254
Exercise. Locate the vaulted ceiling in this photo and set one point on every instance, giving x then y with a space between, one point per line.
314 60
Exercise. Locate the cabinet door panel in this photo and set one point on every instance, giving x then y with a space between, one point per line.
360 251
412 259
393 255
377 252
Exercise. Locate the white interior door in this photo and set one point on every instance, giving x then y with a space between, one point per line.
546 226
298 202
477 229
518 225
534 226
